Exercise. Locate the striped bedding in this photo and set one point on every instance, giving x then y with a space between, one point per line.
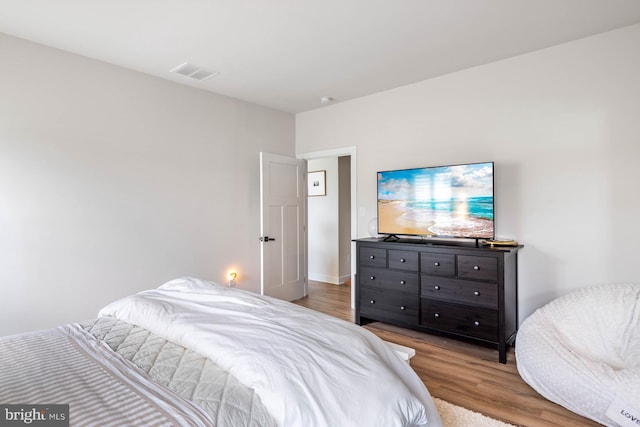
67 365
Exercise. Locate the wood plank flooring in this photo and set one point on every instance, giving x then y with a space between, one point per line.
463 374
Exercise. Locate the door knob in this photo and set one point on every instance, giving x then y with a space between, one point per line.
267 239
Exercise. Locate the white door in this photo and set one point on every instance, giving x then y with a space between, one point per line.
282 226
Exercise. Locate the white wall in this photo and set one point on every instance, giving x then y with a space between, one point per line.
113 181
562 125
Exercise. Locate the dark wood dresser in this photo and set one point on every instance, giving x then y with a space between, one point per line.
460 291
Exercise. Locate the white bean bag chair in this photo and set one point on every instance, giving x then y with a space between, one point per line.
582 351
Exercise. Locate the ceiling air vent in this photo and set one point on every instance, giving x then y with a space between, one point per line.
193 71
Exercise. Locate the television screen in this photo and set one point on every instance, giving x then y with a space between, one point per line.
443 201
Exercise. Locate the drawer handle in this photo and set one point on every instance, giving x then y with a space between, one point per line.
476 323
402 260
436 315
372 277
402 307
476 293
372 257
372 301
436 287
437 264
475 267
402 282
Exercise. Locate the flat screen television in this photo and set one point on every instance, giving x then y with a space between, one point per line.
443 201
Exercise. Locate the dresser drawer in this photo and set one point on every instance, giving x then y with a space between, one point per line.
456 290
473 322
438 264
373 257
392 280
389 306
477 268
403 260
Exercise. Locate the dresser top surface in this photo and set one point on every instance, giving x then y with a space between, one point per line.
417 244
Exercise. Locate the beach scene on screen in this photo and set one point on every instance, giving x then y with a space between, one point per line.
455 201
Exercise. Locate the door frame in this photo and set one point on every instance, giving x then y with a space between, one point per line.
339 152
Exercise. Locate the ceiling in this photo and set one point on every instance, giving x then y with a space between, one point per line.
287 54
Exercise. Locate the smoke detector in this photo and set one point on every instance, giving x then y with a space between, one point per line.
326 99
193 71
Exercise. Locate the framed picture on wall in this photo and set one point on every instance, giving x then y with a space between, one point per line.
317 183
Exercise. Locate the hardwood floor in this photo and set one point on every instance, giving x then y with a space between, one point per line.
463 374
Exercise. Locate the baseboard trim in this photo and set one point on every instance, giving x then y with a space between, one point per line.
334 280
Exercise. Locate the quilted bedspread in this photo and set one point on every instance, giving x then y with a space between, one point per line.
191 375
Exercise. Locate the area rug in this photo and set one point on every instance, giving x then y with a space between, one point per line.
457 416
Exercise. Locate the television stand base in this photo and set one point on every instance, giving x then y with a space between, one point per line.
390 238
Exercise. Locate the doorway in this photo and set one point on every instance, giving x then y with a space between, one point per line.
331 217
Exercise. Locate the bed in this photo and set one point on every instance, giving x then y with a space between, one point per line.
194 353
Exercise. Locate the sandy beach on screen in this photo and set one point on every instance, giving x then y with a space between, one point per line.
391 220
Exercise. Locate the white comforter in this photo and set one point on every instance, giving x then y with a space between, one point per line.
308 368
